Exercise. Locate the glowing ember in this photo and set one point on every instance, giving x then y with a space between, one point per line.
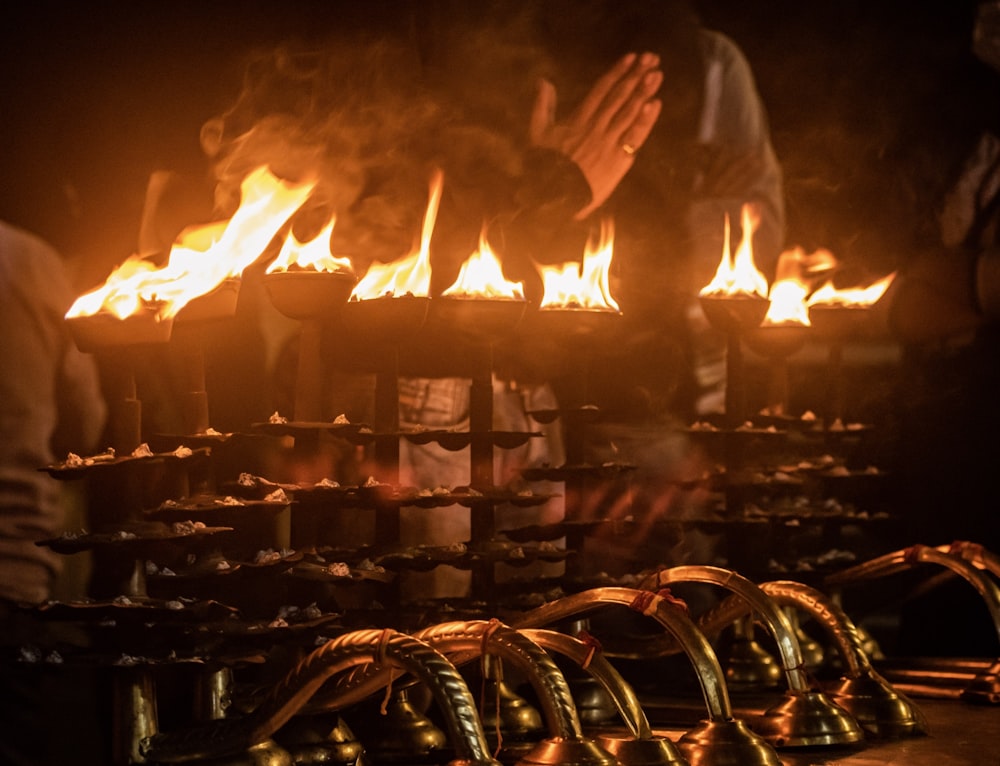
482 276
203 257
855 297
313 255
410 275
583 285
739 275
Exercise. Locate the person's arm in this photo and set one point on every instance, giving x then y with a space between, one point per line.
574 163
603 134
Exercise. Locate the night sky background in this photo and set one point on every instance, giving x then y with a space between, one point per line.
870 105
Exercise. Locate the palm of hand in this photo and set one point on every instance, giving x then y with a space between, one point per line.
609 126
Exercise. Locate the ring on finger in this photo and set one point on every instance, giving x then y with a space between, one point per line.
628 148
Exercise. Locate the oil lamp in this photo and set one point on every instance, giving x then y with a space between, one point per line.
734 302
307 283
839 315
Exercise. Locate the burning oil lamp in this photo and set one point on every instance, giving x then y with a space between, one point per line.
307 283
577 304
784 329
576 307
734 302
480 308
388 307
140 300
481 304
837 316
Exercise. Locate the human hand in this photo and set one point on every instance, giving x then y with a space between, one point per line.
611 124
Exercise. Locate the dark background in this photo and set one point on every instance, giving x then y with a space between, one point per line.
871 103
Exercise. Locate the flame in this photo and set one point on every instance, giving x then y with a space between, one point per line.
481 276
584 285
203 257
313 255
410 275
856 297
791 286
787 303
739 275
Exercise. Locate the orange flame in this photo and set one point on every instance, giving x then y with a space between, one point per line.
313 255
856 297
788 293
410 275
739 275
203 257
583 285
787 303
481 276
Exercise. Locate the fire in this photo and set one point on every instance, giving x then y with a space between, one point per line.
313 255
583 285
856 297
410 275
739 275
481 276
787 303
203 257
791 287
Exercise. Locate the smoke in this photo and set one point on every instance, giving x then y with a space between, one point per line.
372 117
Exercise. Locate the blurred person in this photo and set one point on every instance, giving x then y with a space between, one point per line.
699 151
631 111
945 310
672 139
50 404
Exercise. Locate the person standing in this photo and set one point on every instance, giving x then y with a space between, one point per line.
50 404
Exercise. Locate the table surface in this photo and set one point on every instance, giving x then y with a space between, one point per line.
959 734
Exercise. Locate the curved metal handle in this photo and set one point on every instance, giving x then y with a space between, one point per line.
383 648
593 661
467 640
676 620
907 558
772 616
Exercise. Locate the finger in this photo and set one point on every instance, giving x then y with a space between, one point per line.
631 108
637 133
623 100
600 90
543 113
